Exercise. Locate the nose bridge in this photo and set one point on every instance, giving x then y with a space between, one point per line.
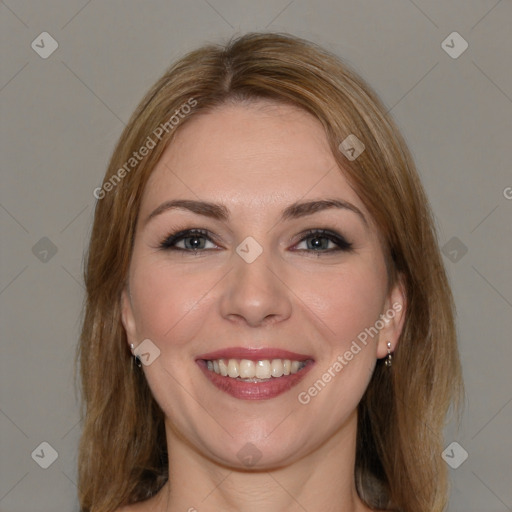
253 291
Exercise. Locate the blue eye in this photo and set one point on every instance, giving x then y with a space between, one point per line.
323 240
190 240
316 240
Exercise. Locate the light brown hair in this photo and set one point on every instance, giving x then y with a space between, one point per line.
122 454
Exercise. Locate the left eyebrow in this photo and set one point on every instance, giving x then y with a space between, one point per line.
220 212
297 210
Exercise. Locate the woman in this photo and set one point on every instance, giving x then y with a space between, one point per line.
268 322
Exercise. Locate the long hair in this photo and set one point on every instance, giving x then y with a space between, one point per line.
122 454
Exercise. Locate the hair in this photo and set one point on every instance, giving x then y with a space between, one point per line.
122 454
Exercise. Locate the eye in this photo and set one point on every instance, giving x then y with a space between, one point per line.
188 240
315 240
323 240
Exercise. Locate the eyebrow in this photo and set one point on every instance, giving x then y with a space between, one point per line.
220 212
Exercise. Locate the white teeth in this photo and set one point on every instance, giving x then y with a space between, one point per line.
277 368
223 367
233 368
247 369
261 369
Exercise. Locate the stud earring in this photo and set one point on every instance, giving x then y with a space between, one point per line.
389 358
136 358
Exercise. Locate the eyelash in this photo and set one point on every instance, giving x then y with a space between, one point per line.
342 245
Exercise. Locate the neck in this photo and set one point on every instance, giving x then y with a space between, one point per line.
322 480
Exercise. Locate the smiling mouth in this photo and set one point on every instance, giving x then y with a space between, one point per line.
256 378
261 370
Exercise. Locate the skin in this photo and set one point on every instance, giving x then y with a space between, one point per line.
256 159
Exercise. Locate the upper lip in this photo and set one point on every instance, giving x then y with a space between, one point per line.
255 354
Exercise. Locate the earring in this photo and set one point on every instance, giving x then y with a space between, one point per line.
136 358
389 358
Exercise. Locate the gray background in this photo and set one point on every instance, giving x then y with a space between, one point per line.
61 117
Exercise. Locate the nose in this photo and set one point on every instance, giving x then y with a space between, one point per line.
255 294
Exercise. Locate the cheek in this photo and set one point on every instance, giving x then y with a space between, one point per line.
346 305
347 301
165 298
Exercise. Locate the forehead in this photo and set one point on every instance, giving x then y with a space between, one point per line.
249 155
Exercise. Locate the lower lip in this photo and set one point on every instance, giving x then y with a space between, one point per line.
255 390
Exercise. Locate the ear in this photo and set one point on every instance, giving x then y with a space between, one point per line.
127 316
393 317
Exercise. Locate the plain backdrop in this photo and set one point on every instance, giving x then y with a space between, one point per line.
62 114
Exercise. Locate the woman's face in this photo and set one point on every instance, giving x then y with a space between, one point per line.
282 281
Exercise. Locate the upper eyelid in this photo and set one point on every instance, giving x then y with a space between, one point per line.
180 234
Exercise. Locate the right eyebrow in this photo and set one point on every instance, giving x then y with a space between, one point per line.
213 210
